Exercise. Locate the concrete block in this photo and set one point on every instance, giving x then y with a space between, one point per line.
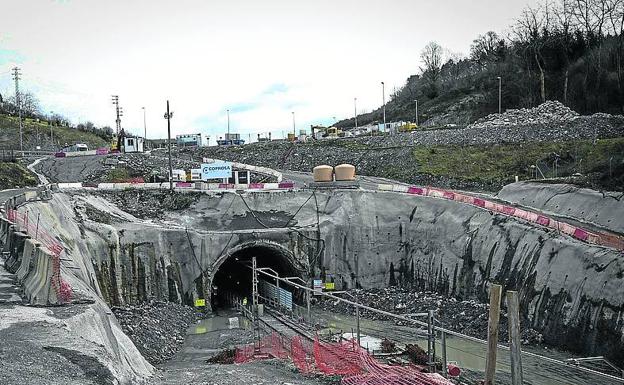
5 225
16 250
38 287
27 263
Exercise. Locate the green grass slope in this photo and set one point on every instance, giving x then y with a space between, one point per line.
13 175
10 139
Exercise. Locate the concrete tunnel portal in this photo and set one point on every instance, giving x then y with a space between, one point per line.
233 273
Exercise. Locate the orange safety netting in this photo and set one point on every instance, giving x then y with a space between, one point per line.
345 358
271 346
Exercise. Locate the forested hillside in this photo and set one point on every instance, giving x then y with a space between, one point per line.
565 50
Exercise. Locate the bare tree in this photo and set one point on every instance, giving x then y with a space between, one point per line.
563 34
431 56
484 48
530 29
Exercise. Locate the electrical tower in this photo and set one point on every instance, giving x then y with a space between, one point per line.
16 77
118 113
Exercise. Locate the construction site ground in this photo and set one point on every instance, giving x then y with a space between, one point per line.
208 338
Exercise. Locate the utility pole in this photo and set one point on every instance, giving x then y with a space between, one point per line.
294 129
228 125
500 93
16 77
383 103
355 111
416 112
51 124
168 116
118 113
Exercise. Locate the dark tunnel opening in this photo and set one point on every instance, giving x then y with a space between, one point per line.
234 276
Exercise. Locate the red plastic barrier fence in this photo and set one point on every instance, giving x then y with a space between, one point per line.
302 355
345 358
62 288
271 346
337 358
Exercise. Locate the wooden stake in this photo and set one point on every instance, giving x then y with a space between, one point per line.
490 363
513 309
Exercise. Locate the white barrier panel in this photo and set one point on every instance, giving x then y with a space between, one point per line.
106 185
30 195
271 186
81 153
121 186
69 185
400 188
385 187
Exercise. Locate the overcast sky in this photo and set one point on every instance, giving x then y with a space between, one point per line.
262 59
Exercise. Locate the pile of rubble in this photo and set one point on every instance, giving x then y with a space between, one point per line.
546 113
467 317
152 204
157 329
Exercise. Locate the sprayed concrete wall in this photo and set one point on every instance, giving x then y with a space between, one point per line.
571 291
85 328
605 209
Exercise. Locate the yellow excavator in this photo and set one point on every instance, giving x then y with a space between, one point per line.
408 127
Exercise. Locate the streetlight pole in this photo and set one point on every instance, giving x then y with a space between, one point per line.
294 129
416 112
228 126
355 111
168 116
500 88
144 129
383 103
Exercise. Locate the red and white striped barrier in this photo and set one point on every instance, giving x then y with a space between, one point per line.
286 185
602 239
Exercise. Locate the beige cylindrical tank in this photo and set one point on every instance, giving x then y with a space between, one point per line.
345 172
323 173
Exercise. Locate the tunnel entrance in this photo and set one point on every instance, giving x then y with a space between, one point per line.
234 275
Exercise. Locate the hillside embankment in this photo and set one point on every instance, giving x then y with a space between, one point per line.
14 175
549 141
38 133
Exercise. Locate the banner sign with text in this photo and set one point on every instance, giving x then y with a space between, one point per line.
216 170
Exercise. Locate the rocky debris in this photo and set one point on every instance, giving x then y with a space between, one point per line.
391 156
546 113
156 164
157 329
226 356
417 354
150 203
468 317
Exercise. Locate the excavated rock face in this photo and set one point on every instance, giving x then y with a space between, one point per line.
571 292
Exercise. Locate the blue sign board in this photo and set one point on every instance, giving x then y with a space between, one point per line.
217 170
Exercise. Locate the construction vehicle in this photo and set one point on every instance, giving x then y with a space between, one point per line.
408 127
333 132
